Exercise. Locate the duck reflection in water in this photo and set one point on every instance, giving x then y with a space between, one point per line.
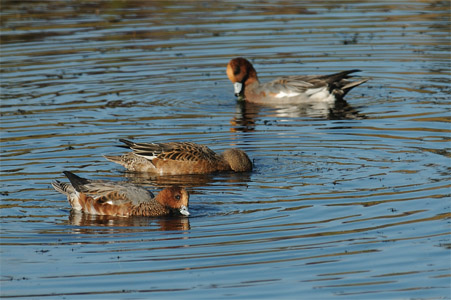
188 181
248 113
166 223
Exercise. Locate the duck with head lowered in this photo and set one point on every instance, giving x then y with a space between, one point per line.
288 89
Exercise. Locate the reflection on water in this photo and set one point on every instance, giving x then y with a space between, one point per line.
86 220
348 201
248 112
188 181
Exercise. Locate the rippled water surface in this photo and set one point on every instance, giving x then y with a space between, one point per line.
345 202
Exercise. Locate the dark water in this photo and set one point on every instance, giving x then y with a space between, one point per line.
346 202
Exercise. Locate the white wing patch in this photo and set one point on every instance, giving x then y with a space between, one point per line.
320 91
289 94
320 94
149 157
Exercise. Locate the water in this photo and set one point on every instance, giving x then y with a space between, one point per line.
347 202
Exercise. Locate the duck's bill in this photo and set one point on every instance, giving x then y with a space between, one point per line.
184 210
238 86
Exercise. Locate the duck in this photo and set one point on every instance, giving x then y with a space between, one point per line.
122 199
178 158
288 89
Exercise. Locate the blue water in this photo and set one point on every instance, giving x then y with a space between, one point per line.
344 203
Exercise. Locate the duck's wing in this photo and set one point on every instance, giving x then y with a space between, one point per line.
292 84
337 83
114 193
179 151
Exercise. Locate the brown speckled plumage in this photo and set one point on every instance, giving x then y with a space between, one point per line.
175 158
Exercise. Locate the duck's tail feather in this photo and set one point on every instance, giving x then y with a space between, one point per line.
114 158
128 144
62 187
76 181
352 84
336 77
339 83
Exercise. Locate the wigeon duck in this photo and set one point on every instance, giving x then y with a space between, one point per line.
288 89
123 199
176 158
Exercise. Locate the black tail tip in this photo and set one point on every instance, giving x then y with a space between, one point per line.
75 180
69 175
128 144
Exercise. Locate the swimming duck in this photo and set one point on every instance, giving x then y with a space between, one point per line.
288 89
121 198
175 158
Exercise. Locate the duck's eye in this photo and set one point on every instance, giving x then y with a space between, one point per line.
177 197
236 70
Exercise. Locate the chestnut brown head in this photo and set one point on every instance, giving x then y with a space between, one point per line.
175 198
